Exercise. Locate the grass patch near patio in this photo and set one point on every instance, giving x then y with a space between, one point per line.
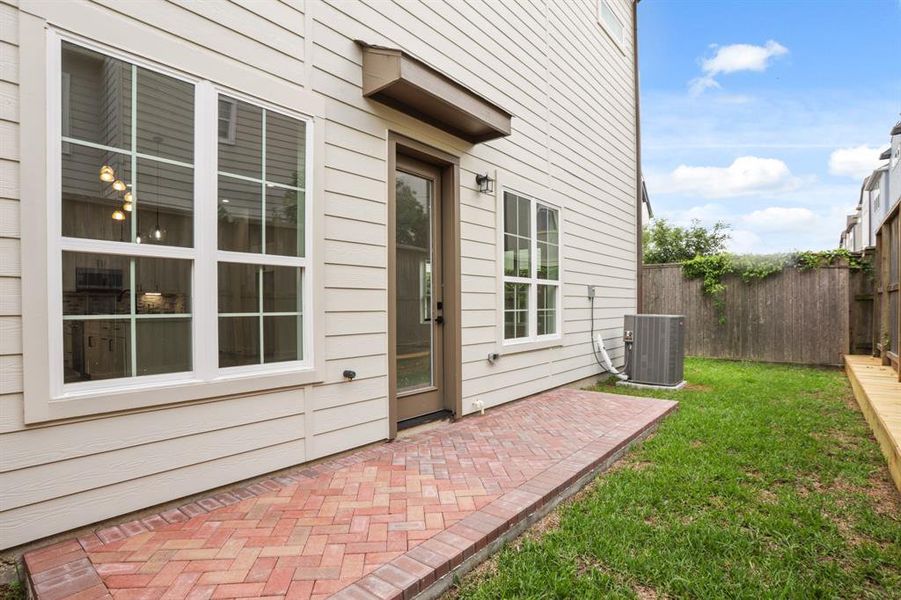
765 483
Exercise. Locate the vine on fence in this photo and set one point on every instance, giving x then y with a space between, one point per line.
712 269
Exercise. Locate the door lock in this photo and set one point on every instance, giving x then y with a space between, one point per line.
439 320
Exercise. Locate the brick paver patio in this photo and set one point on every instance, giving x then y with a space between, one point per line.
385 522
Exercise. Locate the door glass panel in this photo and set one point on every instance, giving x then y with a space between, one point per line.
413 258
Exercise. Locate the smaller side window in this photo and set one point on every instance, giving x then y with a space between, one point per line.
531 259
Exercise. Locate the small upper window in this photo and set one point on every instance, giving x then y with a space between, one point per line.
611 22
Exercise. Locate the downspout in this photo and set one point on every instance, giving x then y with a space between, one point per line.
639 257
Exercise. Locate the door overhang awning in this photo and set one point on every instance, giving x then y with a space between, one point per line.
405 83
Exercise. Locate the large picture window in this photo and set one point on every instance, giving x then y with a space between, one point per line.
132 209
531 268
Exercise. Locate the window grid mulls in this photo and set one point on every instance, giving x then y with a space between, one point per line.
260 214
531 268
101 343
127 247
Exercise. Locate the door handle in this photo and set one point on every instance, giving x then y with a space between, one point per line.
439 320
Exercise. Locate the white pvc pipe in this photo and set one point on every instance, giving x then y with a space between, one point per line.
605 358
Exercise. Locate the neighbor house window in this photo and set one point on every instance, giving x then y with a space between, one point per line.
129 193
228 119
611 22
531 268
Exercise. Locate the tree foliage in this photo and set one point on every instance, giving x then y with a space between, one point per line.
412 218
666 243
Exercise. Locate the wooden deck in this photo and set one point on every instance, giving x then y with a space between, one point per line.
878 392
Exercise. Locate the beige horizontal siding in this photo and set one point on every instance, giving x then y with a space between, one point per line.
540 61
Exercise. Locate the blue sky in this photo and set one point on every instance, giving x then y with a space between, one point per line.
766 114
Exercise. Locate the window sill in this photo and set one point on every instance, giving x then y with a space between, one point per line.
506 348
88 402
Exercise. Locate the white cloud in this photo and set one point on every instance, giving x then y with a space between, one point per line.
735 58
747 175
778 218
856 162
742 241
764 229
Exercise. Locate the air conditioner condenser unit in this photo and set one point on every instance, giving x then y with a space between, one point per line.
655 349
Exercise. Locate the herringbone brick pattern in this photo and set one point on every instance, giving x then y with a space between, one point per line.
328 528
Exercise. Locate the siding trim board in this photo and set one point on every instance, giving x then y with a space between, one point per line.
537 60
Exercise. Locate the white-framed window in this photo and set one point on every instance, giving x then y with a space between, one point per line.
158 212
531 269
261 235
611 23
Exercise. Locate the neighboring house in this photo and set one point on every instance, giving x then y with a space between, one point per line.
865 216
887 228
877 188
240 238
877 199
894 158
851 239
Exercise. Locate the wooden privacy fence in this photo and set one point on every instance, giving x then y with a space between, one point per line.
794 316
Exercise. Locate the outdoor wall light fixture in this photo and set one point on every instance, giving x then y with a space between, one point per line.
485 183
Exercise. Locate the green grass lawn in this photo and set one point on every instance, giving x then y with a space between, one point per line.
766 483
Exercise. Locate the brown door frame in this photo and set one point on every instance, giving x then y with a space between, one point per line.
452 355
